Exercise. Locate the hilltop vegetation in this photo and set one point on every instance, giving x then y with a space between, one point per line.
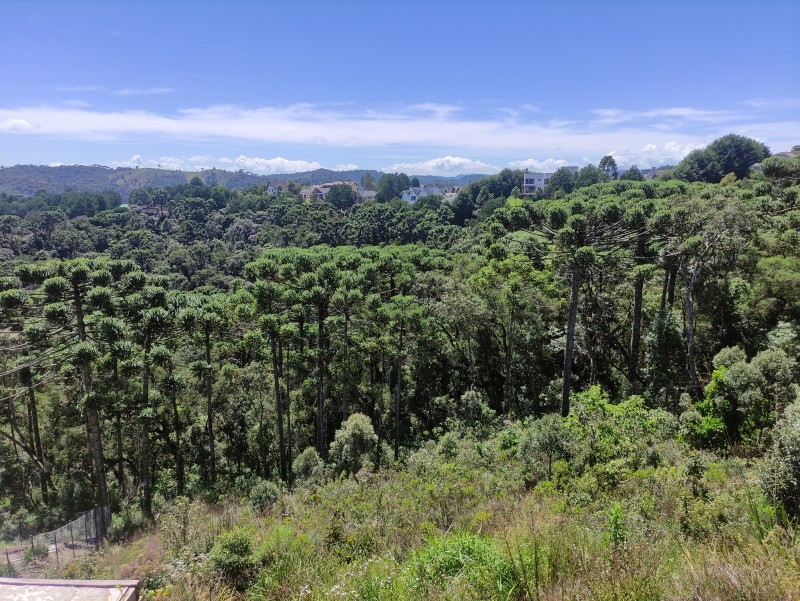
27 180
589 395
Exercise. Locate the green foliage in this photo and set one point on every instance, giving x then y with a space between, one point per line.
263 494
391 185
546 437
781 476
781 168
308 465
232 556
728 154
633 174
624 431
353 445
616 529
341 196
463 560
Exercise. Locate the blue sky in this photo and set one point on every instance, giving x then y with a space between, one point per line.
422 87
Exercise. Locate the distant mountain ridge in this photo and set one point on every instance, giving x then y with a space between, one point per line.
25 180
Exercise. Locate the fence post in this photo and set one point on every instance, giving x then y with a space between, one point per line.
86 526
10 567
96 533
72 539
55 544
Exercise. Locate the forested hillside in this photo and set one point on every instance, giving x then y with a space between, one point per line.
395 388
27 180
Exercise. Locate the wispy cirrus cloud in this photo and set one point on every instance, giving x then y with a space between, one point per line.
81 88
613 116
773 103
143 91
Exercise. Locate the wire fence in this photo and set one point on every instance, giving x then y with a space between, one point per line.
60 546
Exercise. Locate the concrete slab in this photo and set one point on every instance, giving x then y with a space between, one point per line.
22 589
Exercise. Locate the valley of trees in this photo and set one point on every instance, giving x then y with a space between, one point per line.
248 344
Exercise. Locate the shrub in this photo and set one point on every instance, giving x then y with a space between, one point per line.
308 465
545 437
781 475
263 494
353 444
232 557
467 558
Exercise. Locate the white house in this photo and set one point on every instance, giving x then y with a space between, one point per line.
535 180
417 192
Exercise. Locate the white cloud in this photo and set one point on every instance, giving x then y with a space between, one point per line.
613 116
348 167
55 164
142 91
80 88
546 166
439 111
134 161
276 165
172 163
778 103
73 102
653 155
645 137
448 165
15 124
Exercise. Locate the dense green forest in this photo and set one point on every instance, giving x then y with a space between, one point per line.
393 387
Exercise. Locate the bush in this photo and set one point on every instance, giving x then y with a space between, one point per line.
353 444
467 558
263 494
781 477
545 438
232 557
308 465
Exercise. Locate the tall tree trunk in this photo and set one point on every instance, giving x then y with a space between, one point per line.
321 448
145 468
379 416
12 421
276 376
210 412
36 439
570 342
507 383
397 391
285 359
346 387
636 329
120 461
177 427
689 281
92 411
673 272
664 287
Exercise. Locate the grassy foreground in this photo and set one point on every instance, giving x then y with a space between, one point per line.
613 506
